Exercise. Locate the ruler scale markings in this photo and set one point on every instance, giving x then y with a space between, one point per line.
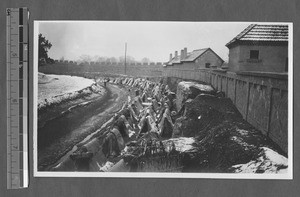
14 31
17 93
14 100
16 142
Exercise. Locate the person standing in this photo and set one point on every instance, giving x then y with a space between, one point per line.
104 82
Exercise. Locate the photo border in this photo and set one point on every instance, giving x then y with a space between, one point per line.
288 175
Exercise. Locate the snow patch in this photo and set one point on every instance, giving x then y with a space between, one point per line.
64 88
187 84
243 132
43 79
240 141
131 133
269 161
107 166
182 144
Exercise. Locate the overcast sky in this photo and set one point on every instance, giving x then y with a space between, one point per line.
154 40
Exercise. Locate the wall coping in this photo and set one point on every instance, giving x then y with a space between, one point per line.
274 75
219 70
264 74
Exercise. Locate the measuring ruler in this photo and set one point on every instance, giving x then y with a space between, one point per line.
17 97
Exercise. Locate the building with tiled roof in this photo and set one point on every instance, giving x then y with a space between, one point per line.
201 58
260 47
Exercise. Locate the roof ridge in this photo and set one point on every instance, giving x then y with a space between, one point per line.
240 35
245 31
191 56
201 49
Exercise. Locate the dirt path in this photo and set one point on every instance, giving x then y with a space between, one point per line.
60 134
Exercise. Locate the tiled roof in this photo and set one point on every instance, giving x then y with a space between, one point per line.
194 55
191 56
175 60
269 33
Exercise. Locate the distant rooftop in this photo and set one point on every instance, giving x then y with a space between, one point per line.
194 55
190 57
174 60
263 33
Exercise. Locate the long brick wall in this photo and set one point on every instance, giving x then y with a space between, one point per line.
152 69
262 98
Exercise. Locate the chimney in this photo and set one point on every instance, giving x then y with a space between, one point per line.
185 52
182 54
171 56
176 54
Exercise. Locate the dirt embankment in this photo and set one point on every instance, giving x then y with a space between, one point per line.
65 124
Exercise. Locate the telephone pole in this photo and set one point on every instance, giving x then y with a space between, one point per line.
125 56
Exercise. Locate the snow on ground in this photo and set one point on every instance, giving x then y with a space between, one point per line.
182 144
55 88
42 78
107 166
187 84
268 162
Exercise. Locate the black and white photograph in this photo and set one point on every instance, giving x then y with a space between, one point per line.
163 99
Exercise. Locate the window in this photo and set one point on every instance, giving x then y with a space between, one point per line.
207 65
254 54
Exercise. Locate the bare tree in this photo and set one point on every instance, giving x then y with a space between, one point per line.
129 59
112 59
146 60
85 59
100 59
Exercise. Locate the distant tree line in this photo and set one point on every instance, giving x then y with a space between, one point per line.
129 59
